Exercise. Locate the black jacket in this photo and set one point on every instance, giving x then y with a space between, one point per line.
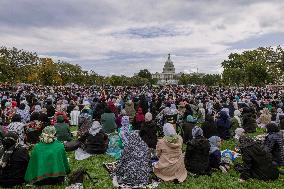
215 159
209 129
13 174
187 131
274 144
249 123
197 156
50 110
97 144
257 163
148 133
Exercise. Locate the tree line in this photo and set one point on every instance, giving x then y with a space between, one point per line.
256 67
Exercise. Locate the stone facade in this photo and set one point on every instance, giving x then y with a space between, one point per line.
168 76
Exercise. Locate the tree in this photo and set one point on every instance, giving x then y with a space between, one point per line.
48 72
70 73
254 67
16 64
145 74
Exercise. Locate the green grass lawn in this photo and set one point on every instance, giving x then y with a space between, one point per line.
218 180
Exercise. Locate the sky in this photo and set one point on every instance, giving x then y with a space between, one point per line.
124 36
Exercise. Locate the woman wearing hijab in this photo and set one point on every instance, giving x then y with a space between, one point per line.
215 154
236 121
274 143
48 164
124 131
119 117
62 130
257 162
43 117
223 125
130 110
249 120
14 160
18 127
33 129
24 113
201 112
171 115
108 121
188 111
279 115
169 151
134 167
95 141
197 153
74 116
209 127
139 119
148 131
84 122
187 128
264 119
37 108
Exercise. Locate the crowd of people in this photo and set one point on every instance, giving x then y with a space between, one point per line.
166 132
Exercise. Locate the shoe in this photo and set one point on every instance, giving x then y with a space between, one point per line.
223 169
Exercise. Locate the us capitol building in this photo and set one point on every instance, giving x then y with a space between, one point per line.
168 76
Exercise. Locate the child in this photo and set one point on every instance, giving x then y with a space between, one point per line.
215 159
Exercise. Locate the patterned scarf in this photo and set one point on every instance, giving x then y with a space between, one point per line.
48 135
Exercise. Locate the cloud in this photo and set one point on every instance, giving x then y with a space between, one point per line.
123 37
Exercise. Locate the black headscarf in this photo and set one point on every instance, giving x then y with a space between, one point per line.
272 128
10 143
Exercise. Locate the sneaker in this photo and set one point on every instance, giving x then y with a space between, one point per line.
223 169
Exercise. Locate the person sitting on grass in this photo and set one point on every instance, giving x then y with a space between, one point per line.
187 127
169 151
236 121
134 167
108 121
274 143
139 119
62 130
14 160
197 153
249 120
215 159
223 125
148 131
124 131
33 129
48 164
95 141
18 127
257 162
209 127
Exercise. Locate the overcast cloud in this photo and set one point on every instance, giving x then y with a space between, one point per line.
122 37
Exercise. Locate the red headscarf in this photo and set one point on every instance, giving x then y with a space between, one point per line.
14 104
139 115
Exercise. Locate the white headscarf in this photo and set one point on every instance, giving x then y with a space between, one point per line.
95 129
214 143
237 115
238 133
169 130
37 108
148 117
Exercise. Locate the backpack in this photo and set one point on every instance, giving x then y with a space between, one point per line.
78 176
